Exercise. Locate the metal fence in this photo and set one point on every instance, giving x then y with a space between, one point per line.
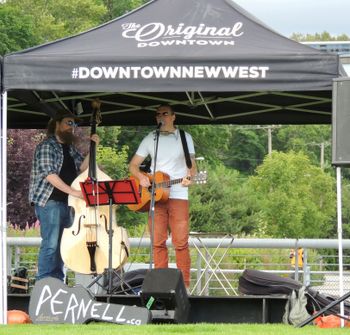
218 262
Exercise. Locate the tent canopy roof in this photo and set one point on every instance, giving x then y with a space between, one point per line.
209 58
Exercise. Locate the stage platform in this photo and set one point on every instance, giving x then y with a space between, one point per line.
228 309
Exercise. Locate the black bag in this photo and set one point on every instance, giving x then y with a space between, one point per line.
255 282
126 283
18 281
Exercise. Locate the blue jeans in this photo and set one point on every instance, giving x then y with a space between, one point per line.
53 217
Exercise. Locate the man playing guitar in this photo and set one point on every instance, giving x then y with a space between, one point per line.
173 214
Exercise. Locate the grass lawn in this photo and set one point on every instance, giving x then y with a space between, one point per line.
203 329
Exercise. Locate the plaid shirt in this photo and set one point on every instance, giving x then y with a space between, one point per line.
48 159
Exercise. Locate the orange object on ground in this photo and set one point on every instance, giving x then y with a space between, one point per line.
17 316
330 321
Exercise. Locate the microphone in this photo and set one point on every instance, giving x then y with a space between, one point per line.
160 124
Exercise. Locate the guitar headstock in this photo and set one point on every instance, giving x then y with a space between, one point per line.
200 177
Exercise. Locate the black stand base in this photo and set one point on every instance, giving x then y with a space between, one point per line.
325 309
111 289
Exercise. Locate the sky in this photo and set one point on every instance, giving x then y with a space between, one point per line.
301 16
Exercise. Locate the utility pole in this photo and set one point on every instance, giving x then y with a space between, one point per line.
322 146
269 129
269 140
322 156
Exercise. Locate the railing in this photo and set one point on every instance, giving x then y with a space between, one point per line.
218 262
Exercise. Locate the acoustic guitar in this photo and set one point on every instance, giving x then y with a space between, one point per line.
162 188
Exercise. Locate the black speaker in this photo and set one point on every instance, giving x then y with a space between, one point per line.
164 293
341 122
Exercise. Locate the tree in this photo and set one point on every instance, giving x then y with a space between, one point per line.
324 36
54 19
247 149
211 142
345 208
132 136
21 145
224 204
116 8
308 139
17 30
296 199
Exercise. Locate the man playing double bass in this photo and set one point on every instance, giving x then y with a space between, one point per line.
172 214
56 164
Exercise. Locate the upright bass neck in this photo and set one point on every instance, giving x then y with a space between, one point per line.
95 120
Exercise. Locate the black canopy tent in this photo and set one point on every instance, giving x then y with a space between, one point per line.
209 58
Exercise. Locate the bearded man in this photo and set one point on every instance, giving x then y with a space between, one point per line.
56 164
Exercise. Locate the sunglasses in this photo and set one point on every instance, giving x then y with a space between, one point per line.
162 114
71 124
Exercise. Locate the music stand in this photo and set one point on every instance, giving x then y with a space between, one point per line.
109 192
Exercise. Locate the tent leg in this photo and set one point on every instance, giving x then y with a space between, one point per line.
3 210
340 240
340 261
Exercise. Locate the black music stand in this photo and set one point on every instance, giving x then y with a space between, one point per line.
109 192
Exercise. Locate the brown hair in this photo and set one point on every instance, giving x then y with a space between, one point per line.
166 106
58 117
51 127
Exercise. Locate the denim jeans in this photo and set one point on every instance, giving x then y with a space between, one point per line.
53 217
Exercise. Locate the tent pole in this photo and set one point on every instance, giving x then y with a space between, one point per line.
340 241
3 217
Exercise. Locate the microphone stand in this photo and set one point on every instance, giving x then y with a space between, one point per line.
152 202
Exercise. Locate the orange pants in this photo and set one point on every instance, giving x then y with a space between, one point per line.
172 215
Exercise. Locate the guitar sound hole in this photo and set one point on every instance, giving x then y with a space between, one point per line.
150 190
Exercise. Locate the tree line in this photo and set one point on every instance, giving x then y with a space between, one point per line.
249 192
26 23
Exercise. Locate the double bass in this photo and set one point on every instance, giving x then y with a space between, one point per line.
85 245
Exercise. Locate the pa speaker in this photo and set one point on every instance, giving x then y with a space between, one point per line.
164 293
341 122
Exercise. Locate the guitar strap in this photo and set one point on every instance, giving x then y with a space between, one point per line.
185 147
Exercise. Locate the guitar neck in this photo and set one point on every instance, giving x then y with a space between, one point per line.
168 183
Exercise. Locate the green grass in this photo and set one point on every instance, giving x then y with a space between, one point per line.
202 329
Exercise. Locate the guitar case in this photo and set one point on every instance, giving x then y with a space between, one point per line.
255 282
